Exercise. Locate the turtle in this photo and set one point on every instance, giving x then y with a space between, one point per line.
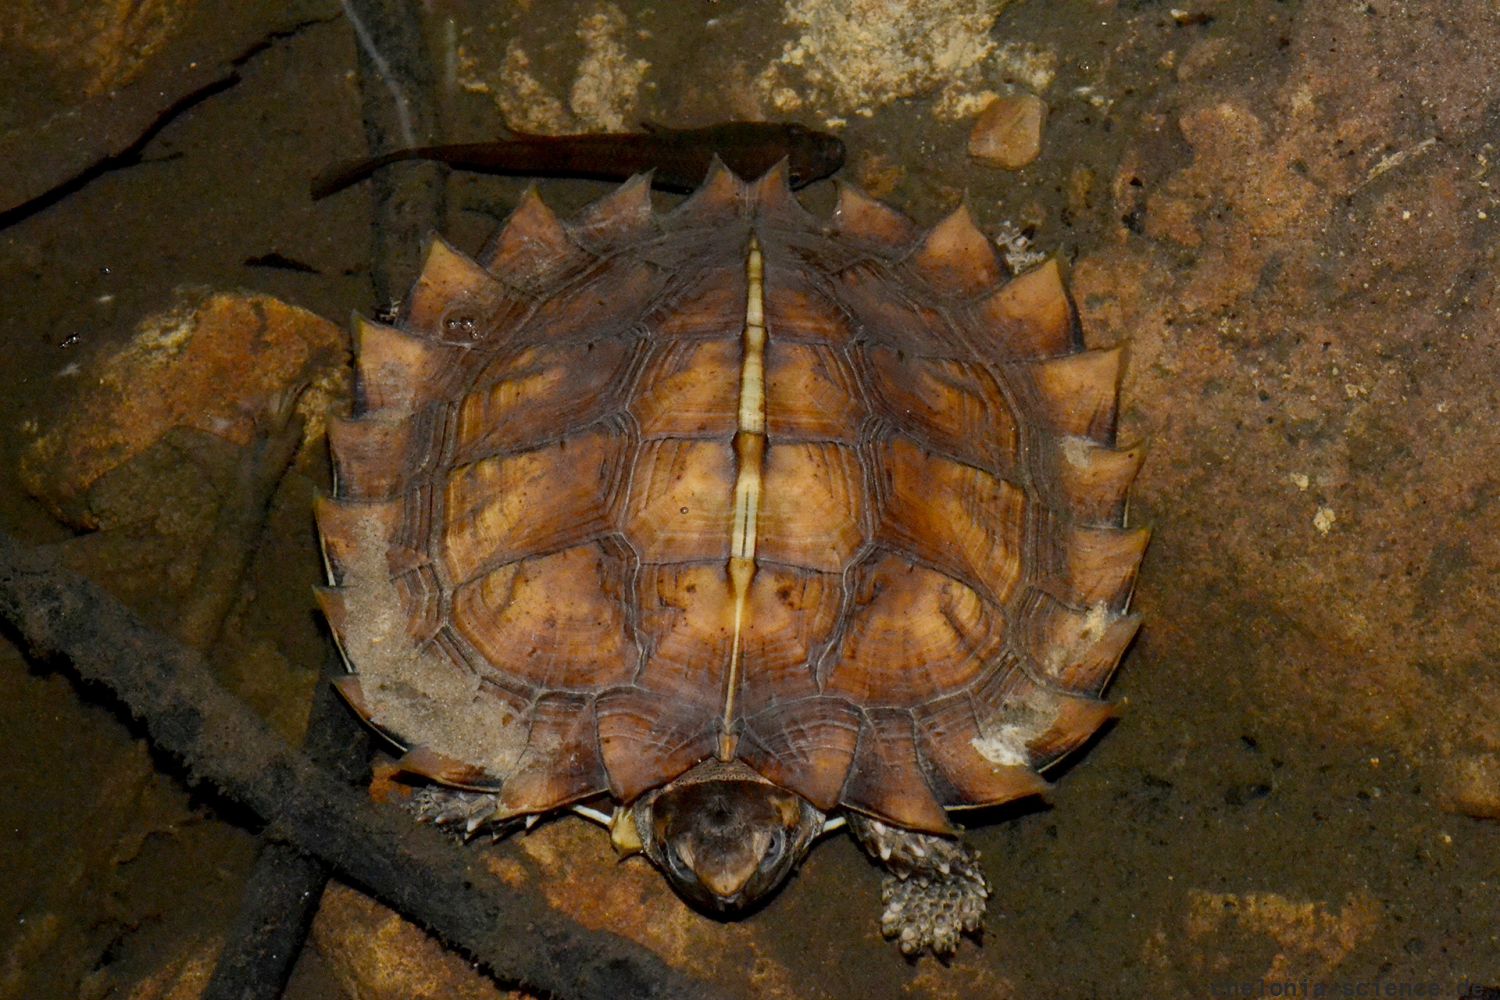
729 525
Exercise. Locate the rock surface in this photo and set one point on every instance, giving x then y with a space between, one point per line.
1287 211
1008 133
214 363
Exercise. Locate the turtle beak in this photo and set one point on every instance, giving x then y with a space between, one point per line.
724 872
726 881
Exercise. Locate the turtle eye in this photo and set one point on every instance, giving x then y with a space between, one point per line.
774 850
679 865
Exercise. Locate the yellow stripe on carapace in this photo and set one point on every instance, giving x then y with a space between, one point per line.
749 455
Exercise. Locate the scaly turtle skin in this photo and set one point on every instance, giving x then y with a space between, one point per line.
737 520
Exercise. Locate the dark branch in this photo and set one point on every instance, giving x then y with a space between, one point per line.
513 932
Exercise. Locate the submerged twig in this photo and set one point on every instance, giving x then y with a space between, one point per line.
513 932
383 71
395 87
283 890
241 520
285 886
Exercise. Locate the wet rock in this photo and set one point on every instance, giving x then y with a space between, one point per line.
183 975
827 920
606 82
213 364
174 451
101 73
380 956
856 56
1305 938
1472 787
375 955
583 877
1308 280
1008 133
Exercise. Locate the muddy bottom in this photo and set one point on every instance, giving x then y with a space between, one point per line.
1287 210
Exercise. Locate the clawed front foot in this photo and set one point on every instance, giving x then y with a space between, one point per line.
455 809
934 891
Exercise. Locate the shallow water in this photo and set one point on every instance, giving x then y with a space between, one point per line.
1285 208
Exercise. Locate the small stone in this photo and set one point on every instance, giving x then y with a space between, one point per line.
1473 787
1008 133
1324 519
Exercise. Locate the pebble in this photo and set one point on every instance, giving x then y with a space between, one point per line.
1473 787
1008 133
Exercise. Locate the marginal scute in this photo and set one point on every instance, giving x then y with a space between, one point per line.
946 735
618 219
773 195
886 779
396 370
648 738
1076 649
862 218
451 286
1098 565
807 745
1031 316
561 761
1079 393
720 198
349 688
534 246
424 762
366 455
334 603
1093 481
955 258
1078 718
352 529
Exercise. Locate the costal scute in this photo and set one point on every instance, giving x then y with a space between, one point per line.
737 520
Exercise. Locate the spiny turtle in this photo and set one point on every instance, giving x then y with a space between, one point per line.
740 522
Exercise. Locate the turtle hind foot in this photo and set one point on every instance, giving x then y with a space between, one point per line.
934 891
458 810
924 912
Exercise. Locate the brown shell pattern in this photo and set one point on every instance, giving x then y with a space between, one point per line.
831 497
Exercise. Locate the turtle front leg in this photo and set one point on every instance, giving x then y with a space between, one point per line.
455 809
934 890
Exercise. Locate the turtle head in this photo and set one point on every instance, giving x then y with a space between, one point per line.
725 842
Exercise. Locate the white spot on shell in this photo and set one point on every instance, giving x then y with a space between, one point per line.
1075 451
1005 740
1005 746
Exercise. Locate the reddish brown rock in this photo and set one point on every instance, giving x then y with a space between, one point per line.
1008 133
215 364
1472 787
375 955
